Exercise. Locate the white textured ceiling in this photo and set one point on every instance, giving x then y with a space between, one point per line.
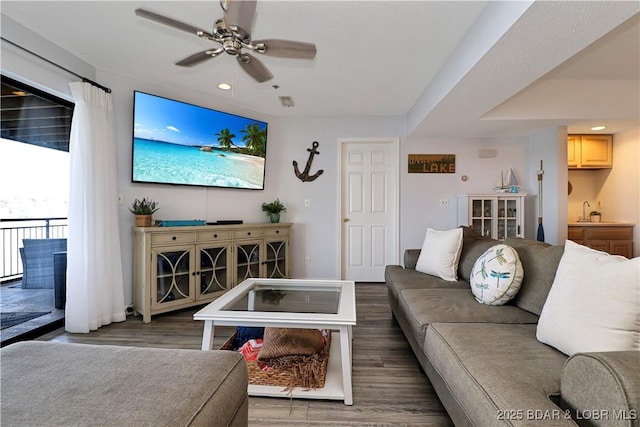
377 58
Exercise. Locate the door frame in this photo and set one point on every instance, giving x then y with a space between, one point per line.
395 143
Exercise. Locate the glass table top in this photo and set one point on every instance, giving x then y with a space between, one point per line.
284 302
287 297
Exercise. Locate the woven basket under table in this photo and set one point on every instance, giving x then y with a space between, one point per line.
279 376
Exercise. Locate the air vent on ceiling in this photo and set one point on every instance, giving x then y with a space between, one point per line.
286 101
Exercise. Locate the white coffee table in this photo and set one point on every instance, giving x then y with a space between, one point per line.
292 303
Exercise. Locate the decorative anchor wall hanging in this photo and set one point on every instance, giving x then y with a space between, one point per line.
304 176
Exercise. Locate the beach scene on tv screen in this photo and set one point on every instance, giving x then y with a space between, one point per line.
179 143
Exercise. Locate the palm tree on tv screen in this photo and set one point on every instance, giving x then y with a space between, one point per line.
225 138
255 139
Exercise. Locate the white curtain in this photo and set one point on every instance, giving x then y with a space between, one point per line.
95 289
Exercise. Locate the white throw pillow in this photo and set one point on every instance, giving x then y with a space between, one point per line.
593 304
440 254
496 275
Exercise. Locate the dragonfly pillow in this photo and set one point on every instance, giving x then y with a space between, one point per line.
497 275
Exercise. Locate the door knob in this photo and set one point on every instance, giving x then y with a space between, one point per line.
345 220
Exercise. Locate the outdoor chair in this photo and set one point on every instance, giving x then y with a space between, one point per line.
37 261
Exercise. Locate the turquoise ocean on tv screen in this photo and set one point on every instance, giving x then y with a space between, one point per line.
163 162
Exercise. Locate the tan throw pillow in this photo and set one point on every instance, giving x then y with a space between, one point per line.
278 342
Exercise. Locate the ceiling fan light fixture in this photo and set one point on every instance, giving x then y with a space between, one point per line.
224 86
232 32
598 128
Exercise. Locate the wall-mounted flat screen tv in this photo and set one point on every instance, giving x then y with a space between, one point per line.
184 144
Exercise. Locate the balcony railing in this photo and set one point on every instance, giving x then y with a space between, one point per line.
12 231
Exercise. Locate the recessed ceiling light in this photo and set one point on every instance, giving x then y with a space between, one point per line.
19 93
598 128
224 86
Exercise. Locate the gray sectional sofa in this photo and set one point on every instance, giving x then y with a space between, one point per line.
485 362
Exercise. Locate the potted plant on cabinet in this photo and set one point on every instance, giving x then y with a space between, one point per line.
274 209
143 210
595 216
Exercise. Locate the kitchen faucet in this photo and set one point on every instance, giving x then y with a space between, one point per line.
585 205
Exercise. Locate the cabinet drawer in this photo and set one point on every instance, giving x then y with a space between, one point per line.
276 232
622 247
576 233
165 238
247 233
213 235
610 233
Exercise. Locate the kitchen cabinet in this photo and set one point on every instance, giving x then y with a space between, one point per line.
589 151
179 267
499 216
616 239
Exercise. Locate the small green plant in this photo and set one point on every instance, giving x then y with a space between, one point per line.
274 207
144 207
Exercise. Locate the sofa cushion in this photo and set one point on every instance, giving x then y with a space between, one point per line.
425 306
398 279
496 275
539 261
594 303
497 372
62 384
473 245
440 253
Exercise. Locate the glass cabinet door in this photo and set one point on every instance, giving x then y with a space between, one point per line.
213 273
173 276
508 218
247 260
276 259
482 216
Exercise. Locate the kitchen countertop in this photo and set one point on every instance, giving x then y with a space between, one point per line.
601 224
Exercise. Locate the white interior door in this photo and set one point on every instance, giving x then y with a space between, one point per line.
369 208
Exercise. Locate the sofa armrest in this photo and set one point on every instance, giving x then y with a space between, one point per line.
602 388
411 258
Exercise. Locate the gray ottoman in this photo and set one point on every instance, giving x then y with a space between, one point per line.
60 384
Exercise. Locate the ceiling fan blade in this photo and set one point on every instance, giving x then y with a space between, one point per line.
240 13
199 57
285 48
164 20
254 67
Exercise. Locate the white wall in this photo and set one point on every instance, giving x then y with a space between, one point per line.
316 228
421 193
550 147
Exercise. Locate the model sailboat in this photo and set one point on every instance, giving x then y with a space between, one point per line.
508 184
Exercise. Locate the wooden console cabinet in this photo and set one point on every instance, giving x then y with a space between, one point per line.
179 267
616 239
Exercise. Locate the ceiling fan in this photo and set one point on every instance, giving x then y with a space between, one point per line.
232 32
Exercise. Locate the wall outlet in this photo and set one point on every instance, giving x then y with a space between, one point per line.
444 203
120 199
307 261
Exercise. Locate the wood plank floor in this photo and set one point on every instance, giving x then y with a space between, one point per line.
389 389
